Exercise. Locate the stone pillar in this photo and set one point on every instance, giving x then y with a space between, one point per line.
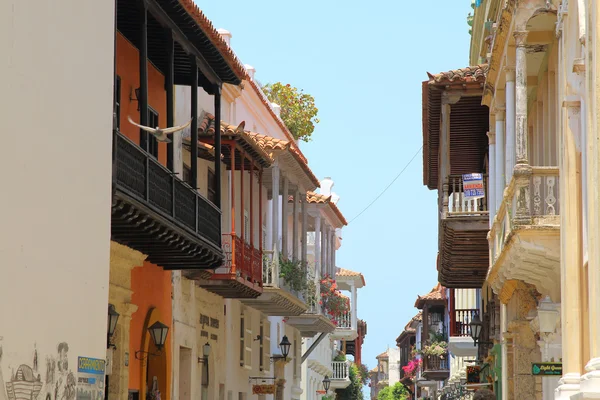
275 210
521 99
279 379
285 217
570 254
491 200
332 247
295 218
524 352
499 179
510 124
522 169
122 261
326 252
318 263
323 249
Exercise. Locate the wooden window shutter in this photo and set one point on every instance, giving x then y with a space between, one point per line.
247 342
266 344
242 339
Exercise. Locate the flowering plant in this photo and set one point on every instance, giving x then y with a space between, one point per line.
411 368
437 349
332 301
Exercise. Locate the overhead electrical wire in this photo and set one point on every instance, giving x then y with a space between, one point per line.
388 186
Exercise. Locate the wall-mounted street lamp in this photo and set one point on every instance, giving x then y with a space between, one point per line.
476 328
158 333
113 318
548 316
326 383
205 353
285 349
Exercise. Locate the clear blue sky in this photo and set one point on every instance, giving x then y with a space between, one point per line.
364 63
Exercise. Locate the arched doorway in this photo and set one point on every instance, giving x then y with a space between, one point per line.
154 371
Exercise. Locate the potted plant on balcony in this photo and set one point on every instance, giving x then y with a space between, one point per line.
293 274
410 369
332 301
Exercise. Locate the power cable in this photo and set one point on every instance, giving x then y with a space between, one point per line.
388 186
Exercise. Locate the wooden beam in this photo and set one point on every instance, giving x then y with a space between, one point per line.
162 17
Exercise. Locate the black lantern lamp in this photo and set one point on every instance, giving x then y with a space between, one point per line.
158 333
326 383
113 318
205 353
476 328
285 347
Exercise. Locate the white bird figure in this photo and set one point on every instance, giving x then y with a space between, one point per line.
161 133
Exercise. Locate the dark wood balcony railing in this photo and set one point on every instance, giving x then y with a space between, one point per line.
435 363
459 326
159 215
241 259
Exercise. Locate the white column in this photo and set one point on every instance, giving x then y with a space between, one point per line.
491 200
510 125
332 264
295 217
323 248
499 179
275 207
570 254
521 127
304 229
326 262
318 262
285 217
354 306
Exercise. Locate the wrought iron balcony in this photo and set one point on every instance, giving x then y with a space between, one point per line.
156 213
241 274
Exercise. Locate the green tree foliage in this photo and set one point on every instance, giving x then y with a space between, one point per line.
298 110
396 392
354 391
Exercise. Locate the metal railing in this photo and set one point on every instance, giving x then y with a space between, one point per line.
241 259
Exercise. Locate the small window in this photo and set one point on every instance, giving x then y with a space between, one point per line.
152 142
211 186
117 111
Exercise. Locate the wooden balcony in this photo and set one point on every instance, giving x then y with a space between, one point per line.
460 342
463 247
241 275
277 298
156 213
436 368
525 236
340 377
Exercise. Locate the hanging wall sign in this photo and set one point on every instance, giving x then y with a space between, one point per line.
263 389
546 369
473 373
473 186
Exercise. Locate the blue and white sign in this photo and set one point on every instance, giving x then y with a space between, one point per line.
473 186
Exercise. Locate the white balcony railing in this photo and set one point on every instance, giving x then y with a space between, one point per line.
340 370
344 320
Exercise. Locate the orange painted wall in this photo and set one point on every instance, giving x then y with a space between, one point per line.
129 70
151 287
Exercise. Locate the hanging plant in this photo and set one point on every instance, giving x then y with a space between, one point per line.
332 301
293 274
437 349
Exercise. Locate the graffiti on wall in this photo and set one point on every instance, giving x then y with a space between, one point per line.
26 383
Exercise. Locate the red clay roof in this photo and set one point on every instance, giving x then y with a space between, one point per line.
269 143
383 355
207 27
347 272
436 294
316 198
476 73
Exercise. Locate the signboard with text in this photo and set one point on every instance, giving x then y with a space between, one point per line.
263 389
473 186
546 369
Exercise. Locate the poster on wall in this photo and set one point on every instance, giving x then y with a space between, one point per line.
473 186
473 374
90 378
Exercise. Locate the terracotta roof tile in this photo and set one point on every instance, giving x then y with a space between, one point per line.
476 73
207 27
383 355
272 144
347 272
206 127
316 198
437 293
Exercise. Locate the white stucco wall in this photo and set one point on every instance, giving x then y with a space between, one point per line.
56 81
